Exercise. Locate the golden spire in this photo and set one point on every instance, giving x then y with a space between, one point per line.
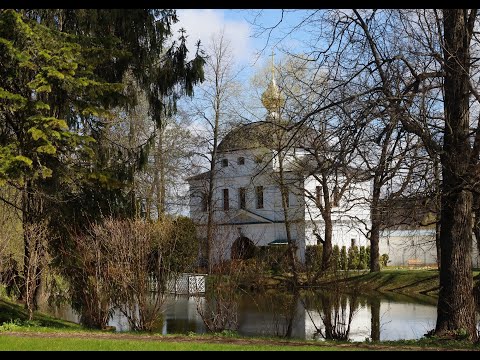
272 99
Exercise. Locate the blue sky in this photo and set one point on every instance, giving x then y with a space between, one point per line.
250 49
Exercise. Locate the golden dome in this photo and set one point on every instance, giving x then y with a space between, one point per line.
272 99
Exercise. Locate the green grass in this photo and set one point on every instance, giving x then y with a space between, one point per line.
55 344
11 312
93 341
398 280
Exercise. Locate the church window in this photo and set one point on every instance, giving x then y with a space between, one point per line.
226 200
259 193
242 197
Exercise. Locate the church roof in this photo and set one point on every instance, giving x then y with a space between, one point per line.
266 134
248 136
201 176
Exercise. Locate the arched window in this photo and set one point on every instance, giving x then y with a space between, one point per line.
243 248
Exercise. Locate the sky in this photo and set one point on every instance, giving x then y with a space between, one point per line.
251 50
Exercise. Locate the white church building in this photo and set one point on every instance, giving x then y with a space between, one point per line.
252 164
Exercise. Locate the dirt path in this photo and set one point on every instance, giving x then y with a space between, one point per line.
218 340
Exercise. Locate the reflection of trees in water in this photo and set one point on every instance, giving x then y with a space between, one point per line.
336 311
219 310
288 314
279 309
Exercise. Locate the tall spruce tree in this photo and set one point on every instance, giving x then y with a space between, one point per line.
61 72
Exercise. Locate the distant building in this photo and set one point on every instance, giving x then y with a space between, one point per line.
409 232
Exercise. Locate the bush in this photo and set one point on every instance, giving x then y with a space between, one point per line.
353 258
362 258
336 257
273 258
384 260
313 257
343 258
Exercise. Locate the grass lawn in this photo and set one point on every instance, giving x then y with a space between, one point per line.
399 280
27 343
59 340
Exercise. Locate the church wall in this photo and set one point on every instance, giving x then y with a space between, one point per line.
259 234
342 235
247 175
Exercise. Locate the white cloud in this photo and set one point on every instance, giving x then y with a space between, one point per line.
202 24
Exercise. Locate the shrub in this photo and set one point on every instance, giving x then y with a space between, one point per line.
353 258
273 258
362 258
343 258
336 257
367 256
384 260
313 257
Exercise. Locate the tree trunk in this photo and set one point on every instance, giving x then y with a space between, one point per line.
160 168
292 245
476 217
327 218
375 319
437 244
438 199
27 219
31 208
211 188
327 245
456 307
375 230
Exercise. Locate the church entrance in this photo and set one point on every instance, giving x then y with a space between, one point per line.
243 248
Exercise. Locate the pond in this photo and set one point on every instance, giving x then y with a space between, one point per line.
309 315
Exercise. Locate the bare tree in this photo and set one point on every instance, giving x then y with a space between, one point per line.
219 308
454 34
212 106
10 241
138 254
420 68
158 153
91 288
36 235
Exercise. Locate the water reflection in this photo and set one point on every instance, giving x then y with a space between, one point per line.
331 313
272 313
306 315
376 316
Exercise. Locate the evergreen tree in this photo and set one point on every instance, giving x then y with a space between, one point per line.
61 71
